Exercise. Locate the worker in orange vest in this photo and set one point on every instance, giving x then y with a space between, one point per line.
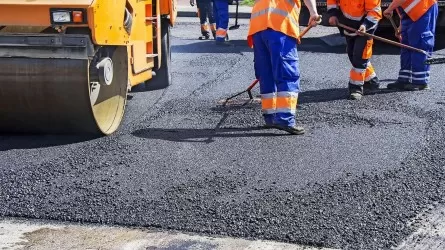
274 34
418 27
364 16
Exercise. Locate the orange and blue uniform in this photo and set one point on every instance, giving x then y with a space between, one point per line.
418 26
355 13
221 10
273 34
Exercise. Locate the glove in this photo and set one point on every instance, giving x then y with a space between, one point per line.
192 2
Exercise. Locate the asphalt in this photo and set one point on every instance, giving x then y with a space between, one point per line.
181 161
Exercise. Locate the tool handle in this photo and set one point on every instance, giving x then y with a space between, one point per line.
308 28
252 85
384 39
394 25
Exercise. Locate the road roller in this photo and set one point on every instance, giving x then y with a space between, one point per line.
66 66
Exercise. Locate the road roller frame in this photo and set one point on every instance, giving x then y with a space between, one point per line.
66 66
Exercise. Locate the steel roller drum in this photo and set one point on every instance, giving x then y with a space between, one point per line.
57 95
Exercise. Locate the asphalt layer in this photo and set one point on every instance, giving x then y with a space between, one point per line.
183 161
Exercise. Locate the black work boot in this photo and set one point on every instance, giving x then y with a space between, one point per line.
295 130
355 92
214 34
407 86
396 85
371 86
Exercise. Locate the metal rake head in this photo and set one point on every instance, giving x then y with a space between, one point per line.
431 61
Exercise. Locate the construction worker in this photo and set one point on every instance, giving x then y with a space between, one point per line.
418 27
205 10
274 35
364 16
221 10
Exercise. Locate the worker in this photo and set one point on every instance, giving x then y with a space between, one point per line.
418 28
274 34
221 11
362 15
205 11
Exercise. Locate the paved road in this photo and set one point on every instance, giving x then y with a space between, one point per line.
182 161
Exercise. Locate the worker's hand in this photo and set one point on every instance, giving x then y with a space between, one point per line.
314 20
192 2
398 34
361 30
333 21
388 13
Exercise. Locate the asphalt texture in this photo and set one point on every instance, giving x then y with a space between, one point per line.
182 161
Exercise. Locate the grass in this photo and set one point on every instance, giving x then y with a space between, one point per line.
247 2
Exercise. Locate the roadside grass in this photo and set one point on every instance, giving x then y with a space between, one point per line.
247 2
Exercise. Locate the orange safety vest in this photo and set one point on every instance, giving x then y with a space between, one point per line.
416 8
357 9
279 15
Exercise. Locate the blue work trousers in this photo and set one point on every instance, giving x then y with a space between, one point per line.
221 12
277 69
419 34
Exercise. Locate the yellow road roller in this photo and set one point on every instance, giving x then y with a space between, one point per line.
66 66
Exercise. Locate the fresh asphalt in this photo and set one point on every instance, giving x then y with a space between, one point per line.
363 172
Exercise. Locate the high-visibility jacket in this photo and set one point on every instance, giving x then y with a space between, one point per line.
356 10
279 15
416 8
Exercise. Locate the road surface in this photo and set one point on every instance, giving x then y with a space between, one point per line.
360 178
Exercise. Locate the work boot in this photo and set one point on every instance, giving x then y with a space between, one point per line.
355 92
371 86
214 34
407 86
295 130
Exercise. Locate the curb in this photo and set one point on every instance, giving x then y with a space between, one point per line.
188 11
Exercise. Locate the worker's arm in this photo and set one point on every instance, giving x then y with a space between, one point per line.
373 14
394 4
312 7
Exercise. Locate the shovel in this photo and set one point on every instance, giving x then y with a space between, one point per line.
236 26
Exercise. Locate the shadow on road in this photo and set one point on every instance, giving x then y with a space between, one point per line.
200 135
12 141
334 94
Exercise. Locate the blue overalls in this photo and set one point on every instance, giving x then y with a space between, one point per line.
419 34
277 69
221 10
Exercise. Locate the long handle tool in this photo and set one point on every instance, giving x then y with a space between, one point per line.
430 59
252 85
396 29
236 26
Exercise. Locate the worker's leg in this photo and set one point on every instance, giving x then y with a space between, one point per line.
211 16
422 36
222 7
263 72
358 69
215 13
203 19
405 72
286 73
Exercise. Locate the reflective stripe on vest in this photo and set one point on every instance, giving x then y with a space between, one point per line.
279 15
416 8
356 11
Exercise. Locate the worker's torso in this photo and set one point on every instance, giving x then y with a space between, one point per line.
414 9
353 9
279 15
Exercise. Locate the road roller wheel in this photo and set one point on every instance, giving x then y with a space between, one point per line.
163 77
57 95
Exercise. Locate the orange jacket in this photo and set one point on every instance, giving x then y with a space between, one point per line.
279 15
356 10
416 8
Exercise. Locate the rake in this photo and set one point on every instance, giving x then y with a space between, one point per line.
430 60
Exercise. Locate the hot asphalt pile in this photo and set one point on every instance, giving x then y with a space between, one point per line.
184 162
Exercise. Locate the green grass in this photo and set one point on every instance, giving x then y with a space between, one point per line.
247 2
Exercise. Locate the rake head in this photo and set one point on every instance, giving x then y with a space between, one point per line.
431 61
